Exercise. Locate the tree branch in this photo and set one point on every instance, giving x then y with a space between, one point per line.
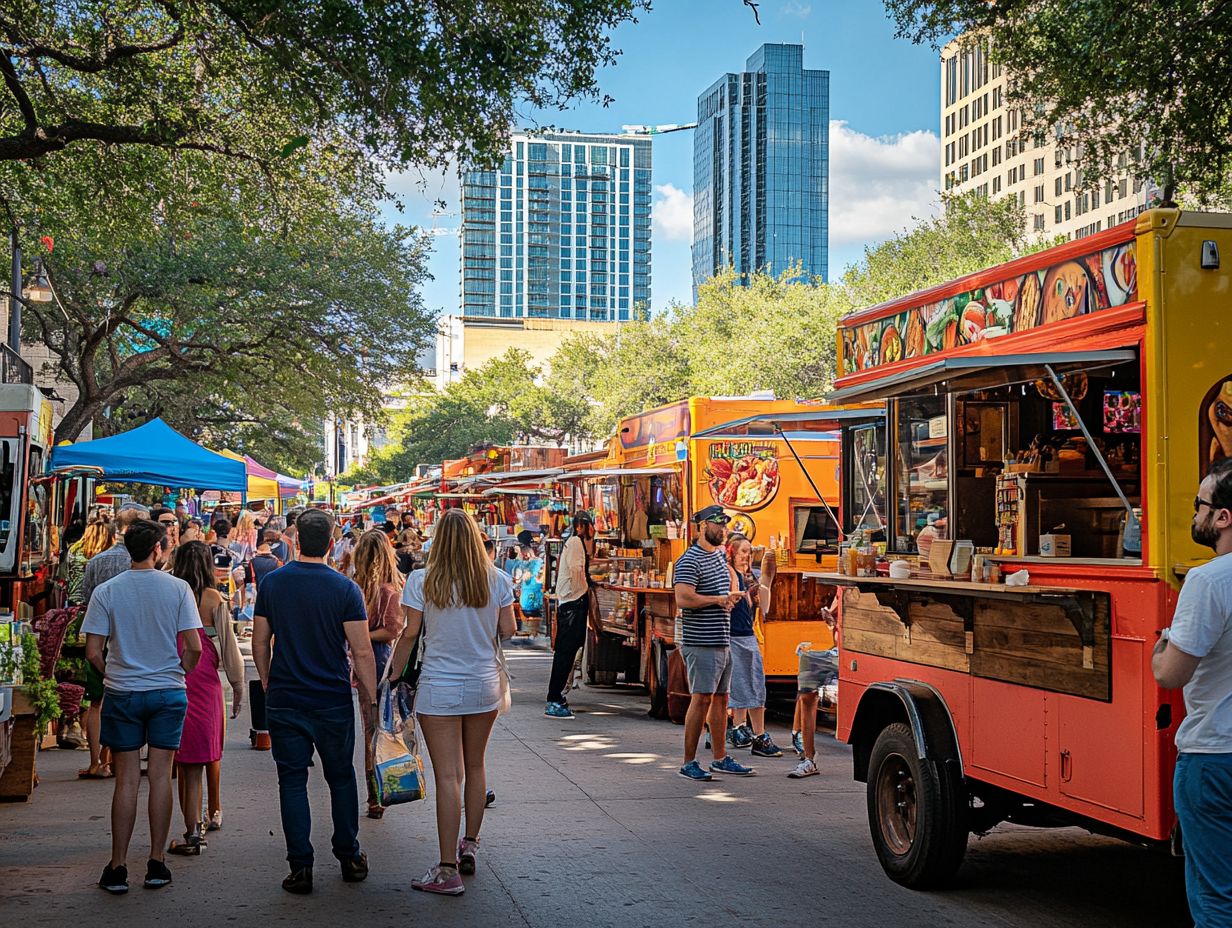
92 65
19 93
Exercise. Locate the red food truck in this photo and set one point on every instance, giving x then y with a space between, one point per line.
1048 421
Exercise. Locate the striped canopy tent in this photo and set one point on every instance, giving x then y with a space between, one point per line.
259 485
287 486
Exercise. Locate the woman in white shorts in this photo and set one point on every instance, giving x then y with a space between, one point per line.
464 605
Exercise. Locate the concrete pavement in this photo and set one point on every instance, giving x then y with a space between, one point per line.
591 827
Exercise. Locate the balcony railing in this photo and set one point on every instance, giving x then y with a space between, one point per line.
13 368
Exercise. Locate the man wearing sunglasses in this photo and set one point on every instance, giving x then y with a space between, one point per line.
702 586
1195 652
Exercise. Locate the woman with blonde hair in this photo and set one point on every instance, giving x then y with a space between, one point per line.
376 572
98 537
464 605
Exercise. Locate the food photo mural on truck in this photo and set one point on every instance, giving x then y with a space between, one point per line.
742 475
1215 425
1071 288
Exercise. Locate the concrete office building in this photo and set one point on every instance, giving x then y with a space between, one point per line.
561 230
985 148
761 166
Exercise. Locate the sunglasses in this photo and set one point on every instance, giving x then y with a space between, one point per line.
1199 502
718 520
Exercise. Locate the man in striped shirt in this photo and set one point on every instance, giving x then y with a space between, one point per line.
702 585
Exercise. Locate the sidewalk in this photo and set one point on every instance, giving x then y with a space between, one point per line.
591 828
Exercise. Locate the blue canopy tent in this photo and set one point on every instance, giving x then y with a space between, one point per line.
154 453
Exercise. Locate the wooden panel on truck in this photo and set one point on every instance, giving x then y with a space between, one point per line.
1037 645
936 637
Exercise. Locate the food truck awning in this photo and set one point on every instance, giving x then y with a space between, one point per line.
797 426
618 472
519 475
979 372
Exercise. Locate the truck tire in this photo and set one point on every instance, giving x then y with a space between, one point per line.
917 812
656 680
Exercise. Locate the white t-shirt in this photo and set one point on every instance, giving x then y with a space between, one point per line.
571 571
1202 627
141 613
459 642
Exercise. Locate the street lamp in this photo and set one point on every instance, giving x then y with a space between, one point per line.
39 289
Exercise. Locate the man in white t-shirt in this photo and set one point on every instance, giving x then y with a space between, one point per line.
148 622
1195 652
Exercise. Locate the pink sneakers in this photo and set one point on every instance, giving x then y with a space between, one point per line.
445 881
468 850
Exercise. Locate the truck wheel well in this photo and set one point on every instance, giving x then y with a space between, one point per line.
917 705
877 709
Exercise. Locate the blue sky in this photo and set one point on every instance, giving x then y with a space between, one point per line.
884 110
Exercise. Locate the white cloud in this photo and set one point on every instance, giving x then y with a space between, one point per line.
672 213
797 9
879 186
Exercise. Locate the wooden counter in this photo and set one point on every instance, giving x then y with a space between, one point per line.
1050 637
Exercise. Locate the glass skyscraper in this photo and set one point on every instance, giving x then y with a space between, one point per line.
561 230
761 166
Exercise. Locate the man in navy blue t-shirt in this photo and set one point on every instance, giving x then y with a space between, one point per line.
310 613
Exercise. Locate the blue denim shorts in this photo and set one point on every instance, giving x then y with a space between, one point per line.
131 720
816 669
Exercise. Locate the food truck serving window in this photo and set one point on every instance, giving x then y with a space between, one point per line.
921 471
1007 466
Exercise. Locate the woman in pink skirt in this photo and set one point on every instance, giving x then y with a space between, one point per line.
201 742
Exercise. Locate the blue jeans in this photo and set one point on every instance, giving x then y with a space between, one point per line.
293 735
1202 789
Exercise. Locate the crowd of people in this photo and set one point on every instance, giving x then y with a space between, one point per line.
329 607
166 600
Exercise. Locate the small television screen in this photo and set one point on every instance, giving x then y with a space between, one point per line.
1062 417
1122 411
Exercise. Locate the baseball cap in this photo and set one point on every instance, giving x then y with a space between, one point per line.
711 514
135 507
583 517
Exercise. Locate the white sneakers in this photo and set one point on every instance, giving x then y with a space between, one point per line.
806 768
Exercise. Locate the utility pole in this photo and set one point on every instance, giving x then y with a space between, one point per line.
15 295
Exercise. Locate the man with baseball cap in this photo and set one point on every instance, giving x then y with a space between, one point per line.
702 585
572 611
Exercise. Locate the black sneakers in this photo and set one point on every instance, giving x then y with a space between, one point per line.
355 870
156 875
114 880
299 882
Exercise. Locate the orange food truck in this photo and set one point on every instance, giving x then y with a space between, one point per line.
774 467
1048 422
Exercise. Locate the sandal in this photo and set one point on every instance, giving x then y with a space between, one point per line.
101 772
375 810
215 822
192 845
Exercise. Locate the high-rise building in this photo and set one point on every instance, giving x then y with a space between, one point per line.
560 230
986 148
761 168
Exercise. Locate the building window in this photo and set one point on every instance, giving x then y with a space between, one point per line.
1039 222
996 185
1039 193
1039 166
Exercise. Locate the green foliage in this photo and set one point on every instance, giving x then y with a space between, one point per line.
971 233
44 695
496 404
775 333
1139 79
206 295
400 81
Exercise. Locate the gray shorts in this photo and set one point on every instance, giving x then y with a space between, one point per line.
816 668
709 667
748 676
